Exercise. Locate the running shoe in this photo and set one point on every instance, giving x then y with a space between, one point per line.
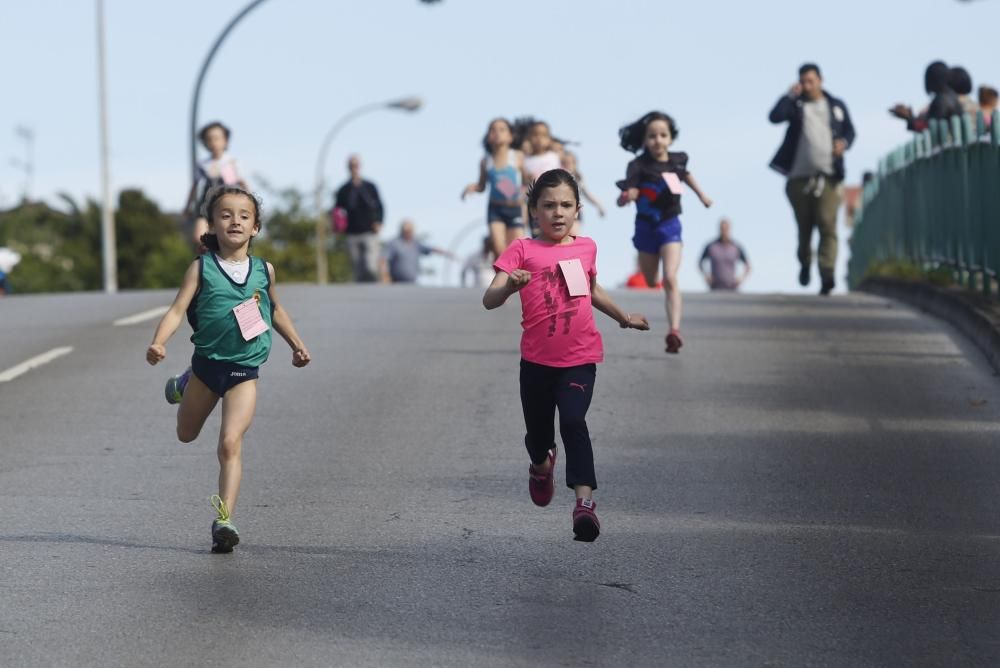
224 534
586 526
174 391
674 341
827 286
804 275
541 486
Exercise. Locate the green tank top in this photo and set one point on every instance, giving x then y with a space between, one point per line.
216 333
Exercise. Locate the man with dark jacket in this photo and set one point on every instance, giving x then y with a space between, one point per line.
360 201
812 157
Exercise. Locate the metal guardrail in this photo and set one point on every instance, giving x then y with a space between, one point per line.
935 202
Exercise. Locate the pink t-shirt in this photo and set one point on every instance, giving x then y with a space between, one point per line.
559 330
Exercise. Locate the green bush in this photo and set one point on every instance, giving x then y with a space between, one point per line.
905 270
61 250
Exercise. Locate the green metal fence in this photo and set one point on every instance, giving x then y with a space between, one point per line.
935 202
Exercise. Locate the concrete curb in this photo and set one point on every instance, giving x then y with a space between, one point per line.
974 316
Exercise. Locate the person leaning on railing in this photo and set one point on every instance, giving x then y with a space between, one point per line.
987 103
944 100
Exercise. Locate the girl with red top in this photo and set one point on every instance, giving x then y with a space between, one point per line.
555 276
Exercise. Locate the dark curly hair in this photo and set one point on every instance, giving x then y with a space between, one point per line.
551 179
633 136
959 80
208 212
936 77
203 133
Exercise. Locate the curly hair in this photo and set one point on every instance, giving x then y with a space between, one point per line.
959 80
208 212
633 136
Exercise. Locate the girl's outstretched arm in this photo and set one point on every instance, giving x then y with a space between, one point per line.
603 303
480 185
283 326
503 286
171 320
689 179
628 196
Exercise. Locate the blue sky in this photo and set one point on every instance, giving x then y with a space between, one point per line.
293 67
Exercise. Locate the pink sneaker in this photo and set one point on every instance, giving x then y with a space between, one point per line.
586 526
541 486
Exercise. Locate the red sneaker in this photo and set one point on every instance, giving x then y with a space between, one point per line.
586 526
541 486
674 341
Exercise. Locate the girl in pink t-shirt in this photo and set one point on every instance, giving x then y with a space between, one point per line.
556 278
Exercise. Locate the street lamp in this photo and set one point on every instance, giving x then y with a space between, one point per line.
403 104
201 78
109 246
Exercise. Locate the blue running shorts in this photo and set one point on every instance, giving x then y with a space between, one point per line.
651 238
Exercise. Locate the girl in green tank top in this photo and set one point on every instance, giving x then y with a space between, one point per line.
230 301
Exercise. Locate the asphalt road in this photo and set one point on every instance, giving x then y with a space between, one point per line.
811 482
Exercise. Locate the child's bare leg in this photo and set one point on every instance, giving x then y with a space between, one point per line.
194 409
237 412
583 492
498 237
513 233
671 254
649 265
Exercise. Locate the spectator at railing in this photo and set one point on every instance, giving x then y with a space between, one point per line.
960 81
944 101
987 103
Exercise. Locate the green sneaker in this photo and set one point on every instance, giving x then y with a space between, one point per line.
224 534
174 391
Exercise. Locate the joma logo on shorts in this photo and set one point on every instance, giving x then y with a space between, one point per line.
239 374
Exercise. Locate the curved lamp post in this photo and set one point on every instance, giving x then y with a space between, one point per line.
404 104
459 238
201 77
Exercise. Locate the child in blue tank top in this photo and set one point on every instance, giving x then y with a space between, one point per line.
501 171
230 302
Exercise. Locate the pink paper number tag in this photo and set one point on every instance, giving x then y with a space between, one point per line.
576 278
249 320
673 183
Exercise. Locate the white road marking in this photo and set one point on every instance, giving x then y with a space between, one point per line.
142 317
36 361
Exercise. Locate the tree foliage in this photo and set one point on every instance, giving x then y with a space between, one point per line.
288 238
61 249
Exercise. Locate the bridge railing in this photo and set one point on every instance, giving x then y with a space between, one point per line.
935 202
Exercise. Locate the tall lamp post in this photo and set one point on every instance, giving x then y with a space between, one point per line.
201 77
404 104
109 248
